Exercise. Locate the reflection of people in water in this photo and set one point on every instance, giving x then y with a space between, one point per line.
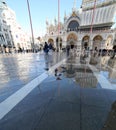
67 49
46 62
110 124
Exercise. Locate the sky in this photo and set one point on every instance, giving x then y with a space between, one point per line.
40 11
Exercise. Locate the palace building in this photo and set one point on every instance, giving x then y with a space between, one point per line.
92 26
12 36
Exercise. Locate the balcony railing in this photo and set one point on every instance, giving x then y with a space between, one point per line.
80 32
98 3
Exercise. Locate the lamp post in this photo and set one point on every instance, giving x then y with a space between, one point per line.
33 46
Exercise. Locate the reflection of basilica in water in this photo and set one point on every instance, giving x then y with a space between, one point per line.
80 73
75 30
85 77
106 65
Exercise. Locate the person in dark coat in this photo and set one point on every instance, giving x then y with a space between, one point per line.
50 46
46 48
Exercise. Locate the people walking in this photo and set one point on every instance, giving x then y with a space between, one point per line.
46 48
50 46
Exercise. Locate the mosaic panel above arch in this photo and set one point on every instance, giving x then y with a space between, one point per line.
98 38
85 38
72 36
73 25
50 40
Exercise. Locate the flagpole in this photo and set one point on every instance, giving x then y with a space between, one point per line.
58 16
91 28
58 24
93 17
33 46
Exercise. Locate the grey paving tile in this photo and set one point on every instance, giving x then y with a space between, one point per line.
22 120
60 116
111 95
93 118
61 105
94 97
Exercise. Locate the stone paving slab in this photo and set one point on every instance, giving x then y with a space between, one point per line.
63 104
60 105
17 70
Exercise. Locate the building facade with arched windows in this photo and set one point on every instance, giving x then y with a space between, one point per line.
12 36
98 17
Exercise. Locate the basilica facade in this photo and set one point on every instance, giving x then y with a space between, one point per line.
92 26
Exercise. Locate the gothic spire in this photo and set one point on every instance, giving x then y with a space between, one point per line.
74 6
47 23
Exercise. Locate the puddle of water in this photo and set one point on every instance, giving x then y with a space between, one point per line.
80 74
106 67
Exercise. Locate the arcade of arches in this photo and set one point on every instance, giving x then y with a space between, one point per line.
72 41
58 42
96 42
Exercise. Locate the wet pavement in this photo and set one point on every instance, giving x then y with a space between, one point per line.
19 69
80 94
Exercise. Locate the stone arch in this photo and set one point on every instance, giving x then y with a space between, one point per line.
50 40
72 40
85 42
97 42
72 21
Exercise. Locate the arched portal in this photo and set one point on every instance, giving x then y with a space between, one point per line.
97 42
72 40
51 41
85 42
58 43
